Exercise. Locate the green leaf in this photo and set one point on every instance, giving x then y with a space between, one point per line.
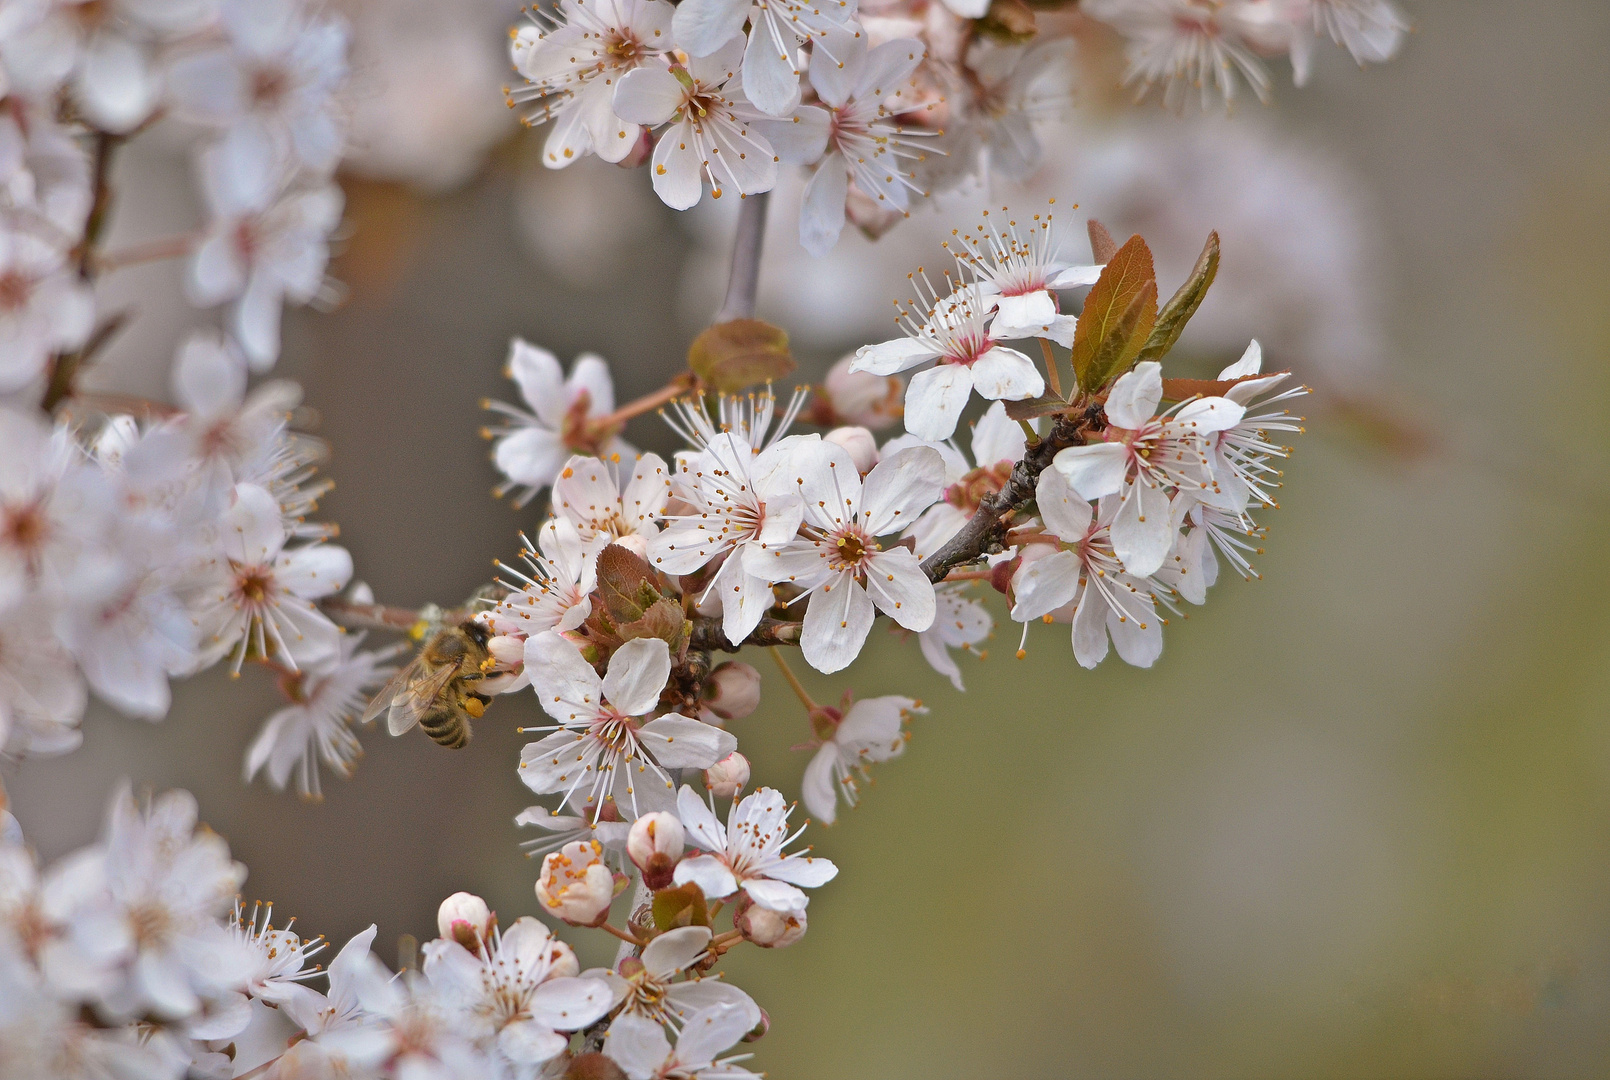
1118 316
731 356
1183 304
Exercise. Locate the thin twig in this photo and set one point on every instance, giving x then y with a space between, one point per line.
744 281
164 247
793 681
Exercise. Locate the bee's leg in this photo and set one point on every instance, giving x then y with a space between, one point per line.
475 704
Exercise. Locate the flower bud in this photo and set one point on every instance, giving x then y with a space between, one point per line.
859 397
758 1032
767 928
575 884
508 650
859 442
732 691
634 543
465 918
640 152
728 776
654 844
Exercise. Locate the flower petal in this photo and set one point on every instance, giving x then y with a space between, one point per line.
935 400
838 618
637 674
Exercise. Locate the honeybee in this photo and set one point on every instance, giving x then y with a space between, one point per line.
436 689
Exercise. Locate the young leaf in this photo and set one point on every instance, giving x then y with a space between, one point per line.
1040 406
1183 304
625 583
731 356
1102 245
1118 316
680 906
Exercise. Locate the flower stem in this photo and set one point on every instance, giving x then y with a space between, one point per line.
793 681
745 278
165 247
630 939
673 389
1052 375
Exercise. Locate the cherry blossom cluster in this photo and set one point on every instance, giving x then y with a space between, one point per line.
882 103
135 957
141 541
1203 49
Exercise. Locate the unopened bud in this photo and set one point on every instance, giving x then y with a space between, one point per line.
465 918
767 928
859 397
728 776
654 844
640 152
575 884
758 1032
508 650
732 691
859 442
634 543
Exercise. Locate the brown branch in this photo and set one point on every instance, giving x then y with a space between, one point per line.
986 530
708 637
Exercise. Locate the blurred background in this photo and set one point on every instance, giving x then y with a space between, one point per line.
1355 823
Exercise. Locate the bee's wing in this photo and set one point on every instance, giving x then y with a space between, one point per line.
409 706
394 687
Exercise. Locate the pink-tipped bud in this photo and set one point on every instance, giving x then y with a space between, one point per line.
758 1032
465 918
859 442
732 691
858 397
728 776
654 844
634 543
575 884
641 151
767 928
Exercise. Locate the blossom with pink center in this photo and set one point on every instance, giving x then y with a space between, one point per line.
871 730
1084 572
257 596
1146 455
44 307
1240 454
1193 45
532 447
1023 270
601 747
954 332
589 497
841 570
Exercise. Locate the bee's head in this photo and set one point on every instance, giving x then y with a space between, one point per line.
476 632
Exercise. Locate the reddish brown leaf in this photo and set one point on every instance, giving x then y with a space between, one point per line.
1118 316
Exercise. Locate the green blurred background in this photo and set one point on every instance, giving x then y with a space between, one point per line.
1355 823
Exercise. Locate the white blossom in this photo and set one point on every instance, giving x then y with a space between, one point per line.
1192 45
522 992
257 596
600 745
587 495
574 67
837 563
1144 455
997 445
265 244
771 60
871 730
747 852
640 1048
954 332
709 134
960 622
316 728
649 988
531 447
1083 570
279 69
44 307
1023 270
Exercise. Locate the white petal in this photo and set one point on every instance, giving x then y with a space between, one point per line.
1142 533
889 357
1061 507
709 873
675 949
775 895
704 829
566 684
638 1045
1095 470
803 870
567 1004
935 400
900 589
703 26
1028 309
821 215
1251 363
680 743
1075 276
1045 585
710 1031
900 488
637 674
838 618
1004 374
770 73
818 789
648 95
677 168
537 373
1134 397
997 437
